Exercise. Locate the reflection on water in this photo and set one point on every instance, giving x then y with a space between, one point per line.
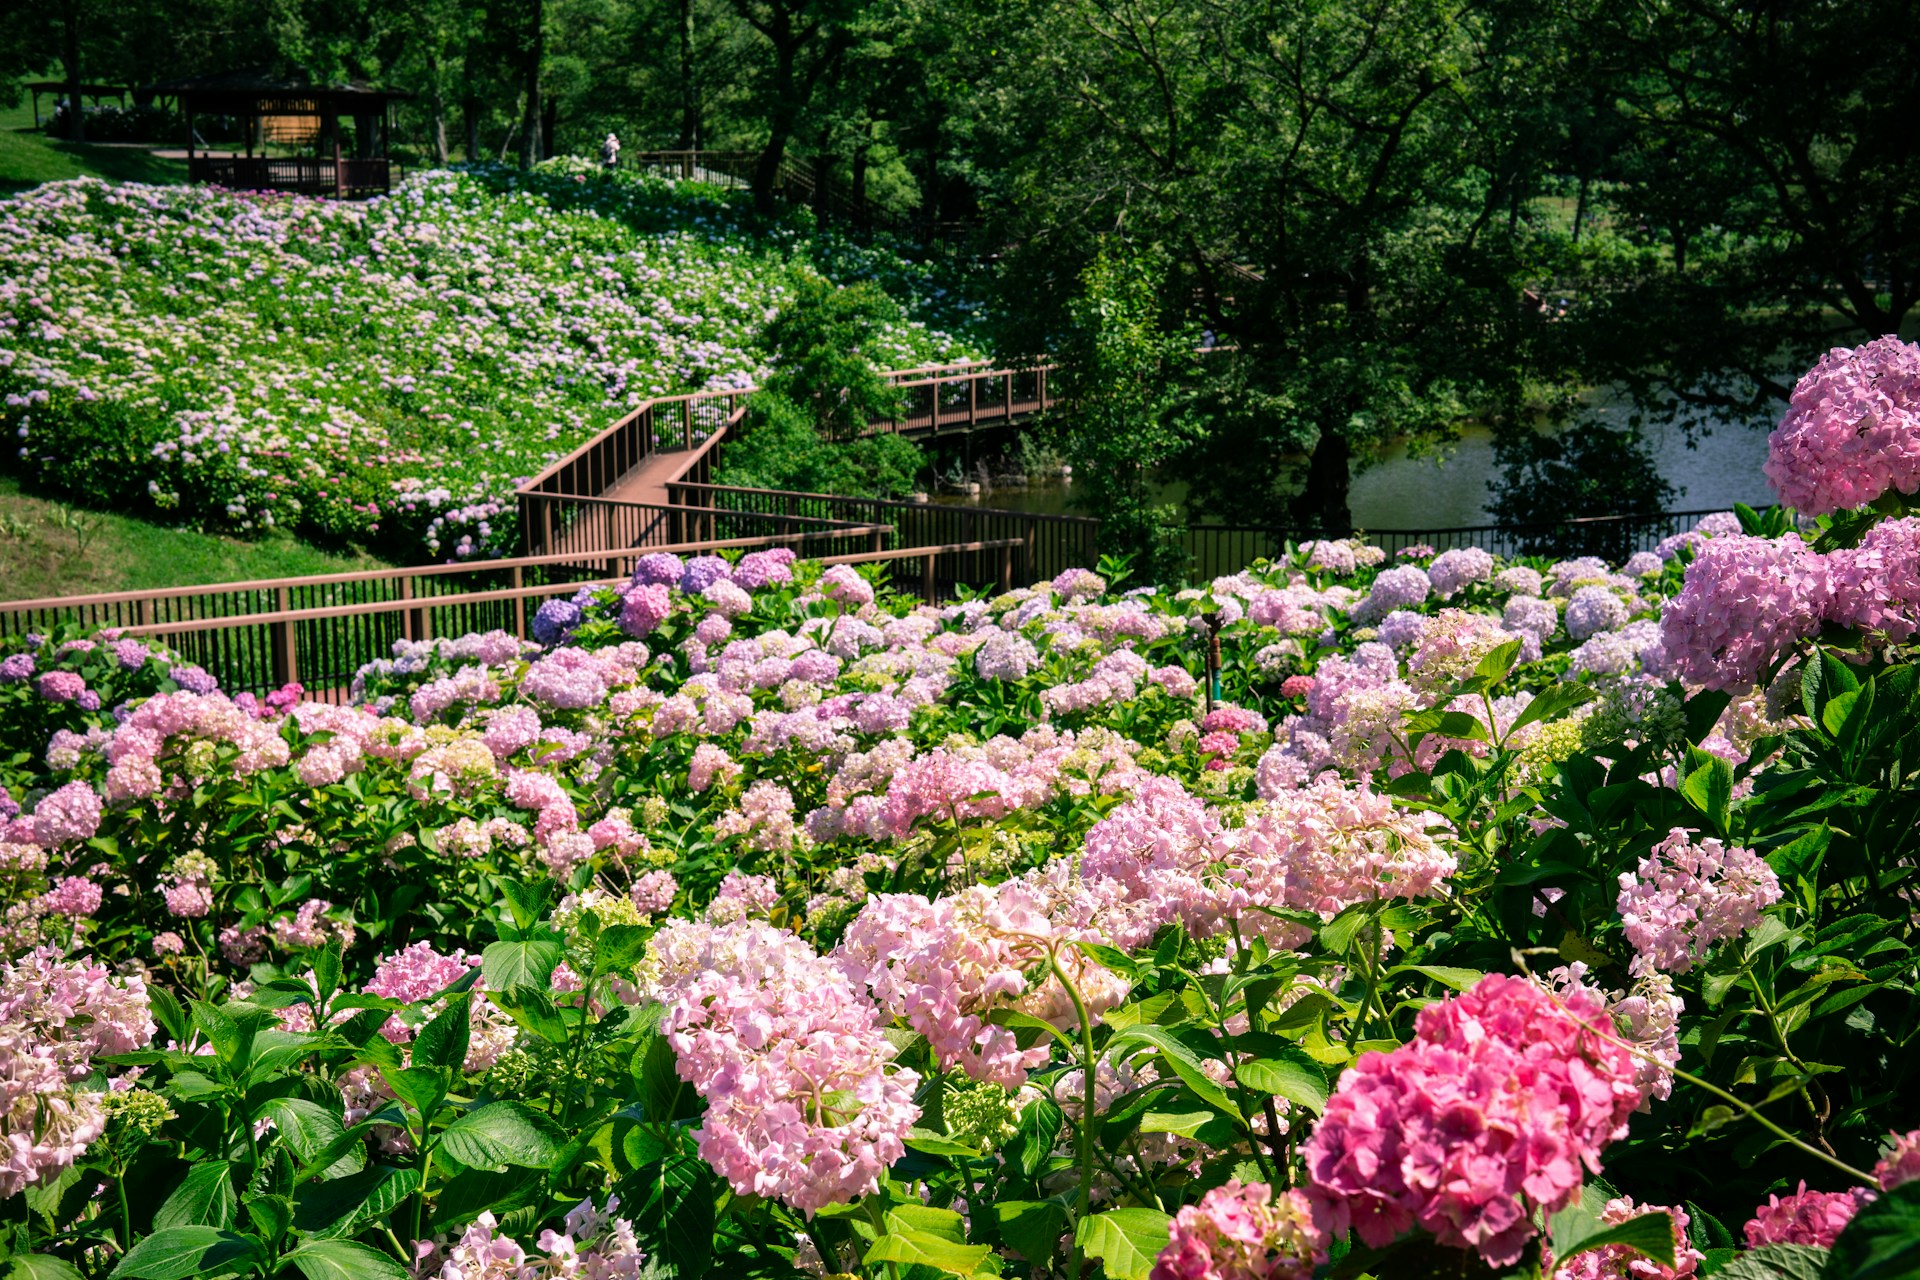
1449 488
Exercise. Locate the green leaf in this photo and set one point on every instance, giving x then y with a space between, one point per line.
534 1011
1550 704
1445 975
1125 1240
1703 711
1110 958
204 1198
1883 1240
340 1206
1297 1079
1039 1131
1185 1064
1575 1230
344 1260
527 901
1494 667
443 1041
271 1216
309 1129
472 1192
622 946
179 1252
1776 1262
675 1200
501 1134
1032 1227
520 964
422 1088
42 1266
1709 788
912 1247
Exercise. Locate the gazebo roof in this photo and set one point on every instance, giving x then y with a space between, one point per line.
267 91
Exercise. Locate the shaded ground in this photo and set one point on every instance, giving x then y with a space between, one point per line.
48 548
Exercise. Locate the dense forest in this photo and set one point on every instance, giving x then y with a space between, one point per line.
1388 216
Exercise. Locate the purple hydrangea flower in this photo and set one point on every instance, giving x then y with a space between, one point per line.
16 667
702 572
555 619
661 567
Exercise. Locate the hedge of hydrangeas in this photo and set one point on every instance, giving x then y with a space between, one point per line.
386 371
1488 917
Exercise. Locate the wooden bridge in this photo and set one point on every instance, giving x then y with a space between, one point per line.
647 475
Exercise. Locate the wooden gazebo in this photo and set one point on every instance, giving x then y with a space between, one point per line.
290 108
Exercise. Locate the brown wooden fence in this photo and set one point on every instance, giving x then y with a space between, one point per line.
320 630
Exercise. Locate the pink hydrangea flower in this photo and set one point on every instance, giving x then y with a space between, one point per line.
1497 1109
1744 602
72 896
1689 894
645 607
1617 1262
69 814
1242 1231
1805 1217
1901 1164
1876 585
804 1102
1852 429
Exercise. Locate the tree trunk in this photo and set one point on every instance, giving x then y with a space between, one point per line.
550 126
822 178
437 103
1580 208
70 54
766 174
531 150
1322 506
860 154
470 113
689 90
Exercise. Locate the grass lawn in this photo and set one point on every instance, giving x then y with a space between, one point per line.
48 548
29 158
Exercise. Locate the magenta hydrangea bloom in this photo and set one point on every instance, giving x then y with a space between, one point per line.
61 686
1852 430
646 606
804 1103
1876 585
843 584
1805 1217
1242 1231
1901 1164
1496 1110
1744 602
759 569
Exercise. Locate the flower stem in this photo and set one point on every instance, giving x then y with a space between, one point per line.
1088 1059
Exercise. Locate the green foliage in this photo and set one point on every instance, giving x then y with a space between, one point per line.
1118 367
781 448
821 344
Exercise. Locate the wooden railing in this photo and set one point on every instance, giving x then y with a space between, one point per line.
306 175
1049 543
319 630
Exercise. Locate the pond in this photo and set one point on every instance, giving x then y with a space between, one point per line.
1449 487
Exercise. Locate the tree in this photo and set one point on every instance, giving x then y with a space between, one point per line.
1119 370
1586 470
819 343
1764 199
1341 193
